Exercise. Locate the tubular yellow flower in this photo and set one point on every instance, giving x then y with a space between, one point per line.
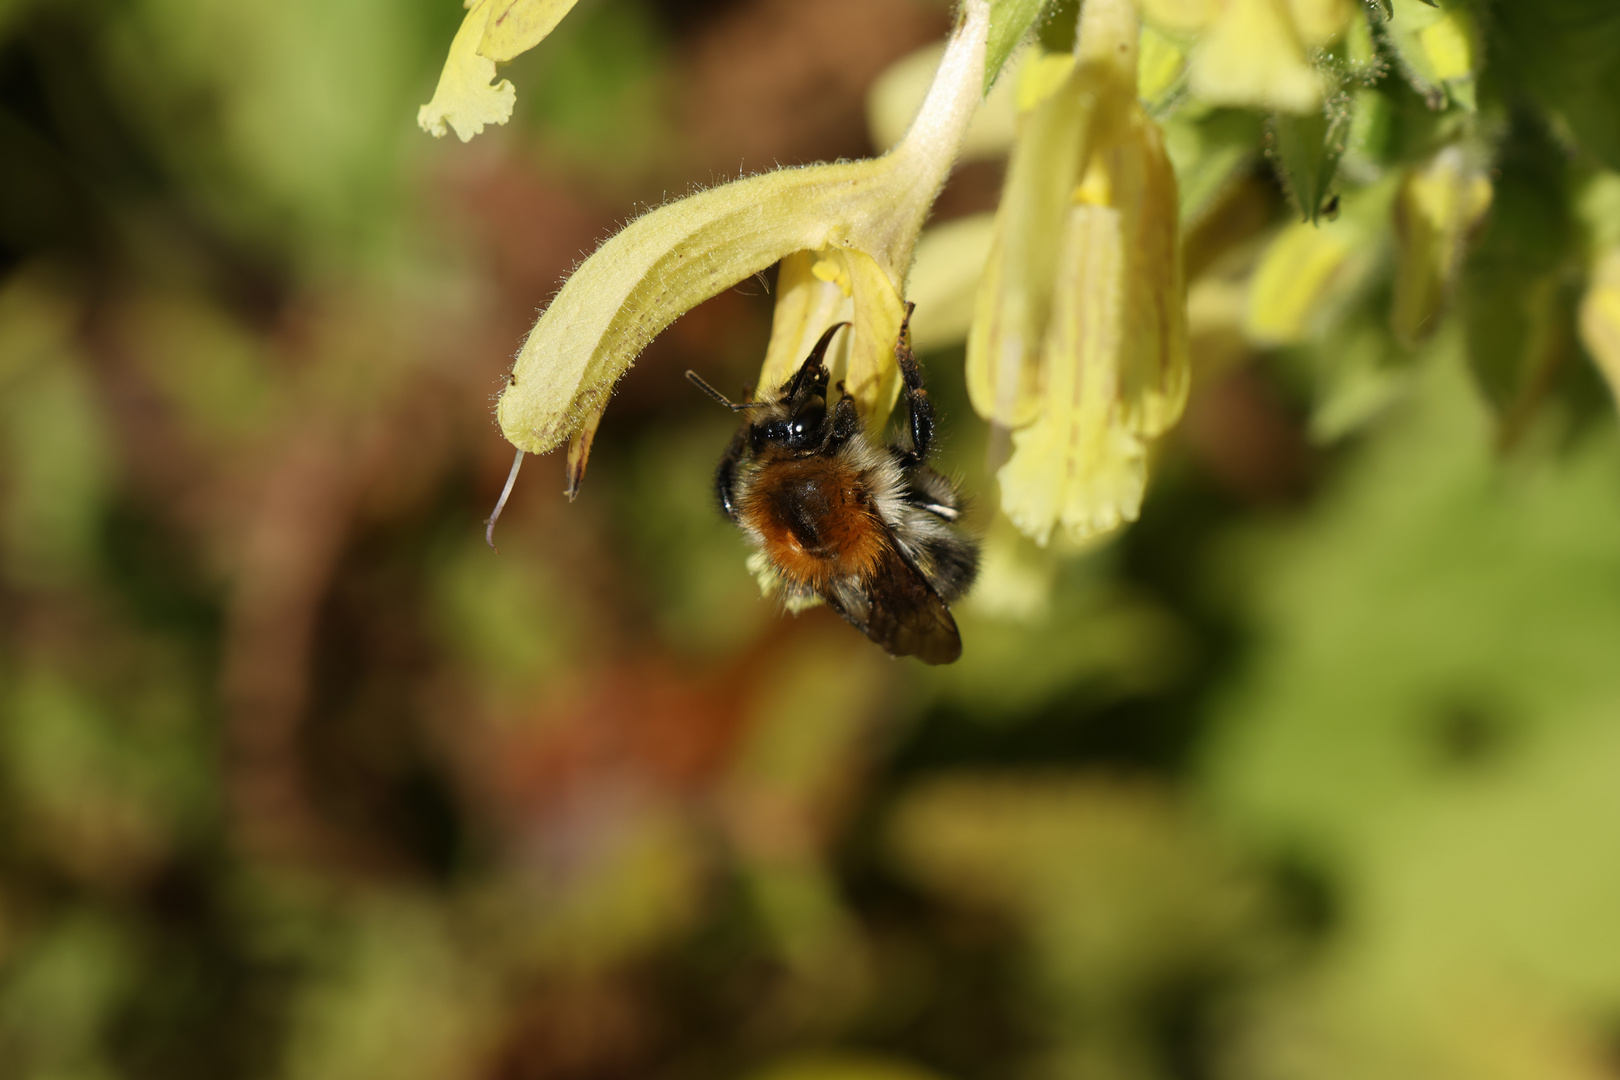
1079 340
846 232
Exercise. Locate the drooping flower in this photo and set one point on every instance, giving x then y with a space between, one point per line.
843 232
1079 339
494 30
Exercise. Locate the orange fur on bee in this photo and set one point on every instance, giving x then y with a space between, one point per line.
815 520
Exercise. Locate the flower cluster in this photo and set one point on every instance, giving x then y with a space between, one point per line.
1121 136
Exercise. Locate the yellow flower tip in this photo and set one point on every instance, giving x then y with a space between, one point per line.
1449 47
1600 318
1294 280
465 99
1252 56
815 290
1088 487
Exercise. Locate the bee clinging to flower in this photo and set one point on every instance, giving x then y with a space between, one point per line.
869 529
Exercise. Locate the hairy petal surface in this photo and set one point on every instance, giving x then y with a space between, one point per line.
857 216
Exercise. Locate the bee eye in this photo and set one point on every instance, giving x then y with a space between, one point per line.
805 427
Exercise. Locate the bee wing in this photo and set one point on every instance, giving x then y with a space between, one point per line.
897 608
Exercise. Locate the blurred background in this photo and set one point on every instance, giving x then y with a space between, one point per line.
1312 773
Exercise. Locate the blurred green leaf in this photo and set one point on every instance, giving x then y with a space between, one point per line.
54 467
1209 148
1426 718
1438 49
1010 20
1514 299
1567 53
1306 149
60 999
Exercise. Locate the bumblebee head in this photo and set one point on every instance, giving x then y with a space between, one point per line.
797 419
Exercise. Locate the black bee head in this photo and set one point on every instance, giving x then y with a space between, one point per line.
801 429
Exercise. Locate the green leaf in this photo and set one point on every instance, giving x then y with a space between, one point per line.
1438 49
1010 20
1306 150
1514 300
1567 53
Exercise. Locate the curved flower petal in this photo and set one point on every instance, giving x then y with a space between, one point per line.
1013 303
1071 104
816 289
516 26
1079 465
465 98
1155 369
675 257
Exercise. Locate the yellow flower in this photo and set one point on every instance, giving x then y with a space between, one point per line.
494 30
844 234
1600 317
1436 207
1079 336
1255 52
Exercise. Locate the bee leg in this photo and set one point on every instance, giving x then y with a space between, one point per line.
846 422
922 410
725 477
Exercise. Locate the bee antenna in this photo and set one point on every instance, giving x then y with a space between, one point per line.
697 381
500 504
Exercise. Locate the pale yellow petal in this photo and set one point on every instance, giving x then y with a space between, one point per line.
1014 298
1600 318
1056 138
1438 204
675 257
1160 65
1438 49
1155 371
815 290
872 375
465 98
1295 276
1078 466
516 26
806 304
945 277
1181 18
1252 56
1319 22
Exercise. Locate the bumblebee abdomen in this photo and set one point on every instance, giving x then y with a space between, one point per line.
815 519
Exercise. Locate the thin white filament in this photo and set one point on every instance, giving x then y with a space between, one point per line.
500 504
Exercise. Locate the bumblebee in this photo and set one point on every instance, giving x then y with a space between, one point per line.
869 529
